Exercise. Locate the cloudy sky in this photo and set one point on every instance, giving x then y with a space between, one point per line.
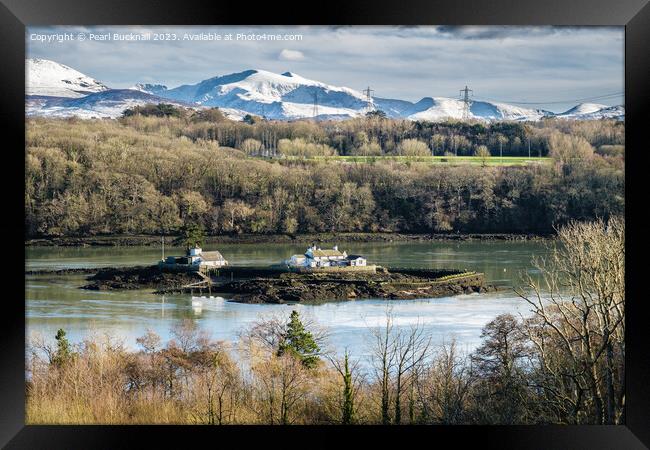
547 67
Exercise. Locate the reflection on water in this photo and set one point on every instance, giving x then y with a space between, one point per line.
54 302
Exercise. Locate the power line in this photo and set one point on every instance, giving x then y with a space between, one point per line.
553 102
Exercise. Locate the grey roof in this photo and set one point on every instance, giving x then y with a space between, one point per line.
350 257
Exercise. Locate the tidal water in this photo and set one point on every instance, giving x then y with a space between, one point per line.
55 301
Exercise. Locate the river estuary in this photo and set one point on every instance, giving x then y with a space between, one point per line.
55 301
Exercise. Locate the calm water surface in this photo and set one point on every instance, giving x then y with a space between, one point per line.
54 302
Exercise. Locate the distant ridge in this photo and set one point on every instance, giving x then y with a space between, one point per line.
286 96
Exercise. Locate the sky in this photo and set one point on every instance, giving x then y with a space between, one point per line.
552 68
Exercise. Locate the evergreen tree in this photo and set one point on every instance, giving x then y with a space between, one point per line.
63 352
299 342
251 119
348 400
192 235
376 113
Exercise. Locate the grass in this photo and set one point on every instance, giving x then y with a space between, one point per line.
455 276
448 160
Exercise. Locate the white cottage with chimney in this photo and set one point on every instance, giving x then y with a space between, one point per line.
316 257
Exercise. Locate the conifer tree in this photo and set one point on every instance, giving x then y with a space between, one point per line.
192 235
299 342
348 399
63 352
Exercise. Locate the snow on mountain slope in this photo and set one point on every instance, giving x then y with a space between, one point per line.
301 110
111 103
438 108
155 89
276 96
45 77
290 96
286 96
395 108
609 112
593 111
583 108
441 108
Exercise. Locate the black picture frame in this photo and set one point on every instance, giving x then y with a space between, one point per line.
633 14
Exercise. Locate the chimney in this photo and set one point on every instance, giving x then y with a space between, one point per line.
336 247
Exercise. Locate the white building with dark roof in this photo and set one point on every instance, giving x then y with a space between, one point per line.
356 260
316 257
195 260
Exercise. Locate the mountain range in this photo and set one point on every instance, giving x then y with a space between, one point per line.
53 89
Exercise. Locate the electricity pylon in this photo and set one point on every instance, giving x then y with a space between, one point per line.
465 94
369 104
315 111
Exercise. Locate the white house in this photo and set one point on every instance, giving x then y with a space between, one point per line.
195 259
296 260
316 257
356 260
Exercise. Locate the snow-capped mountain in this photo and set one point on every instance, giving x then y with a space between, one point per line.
583 108
45 77
110 103
286 96
593 111
154 89
441 108
291 96
276 96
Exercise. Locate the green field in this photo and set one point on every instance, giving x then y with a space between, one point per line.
449 160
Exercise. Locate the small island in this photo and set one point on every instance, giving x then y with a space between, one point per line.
318 275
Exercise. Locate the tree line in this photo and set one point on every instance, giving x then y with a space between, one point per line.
561 364
145 175
377 135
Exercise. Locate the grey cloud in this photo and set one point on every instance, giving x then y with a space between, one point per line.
401 62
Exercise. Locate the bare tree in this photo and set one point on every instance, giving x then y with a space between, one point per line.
383 352
411 350
443 388
397 355
578 326
499 365
282 381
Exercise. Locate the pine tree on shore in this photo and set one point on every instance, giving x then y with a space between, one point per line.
299 342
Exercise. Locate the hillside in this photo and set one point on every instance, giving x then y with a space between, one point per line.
48 78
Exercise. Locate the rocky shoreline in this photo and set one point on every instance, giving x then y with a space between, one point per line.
149 240
138 277
315 288
273 285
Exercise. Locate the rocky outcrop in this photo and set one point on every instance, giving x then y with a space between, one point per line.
324 287
138 278
276 285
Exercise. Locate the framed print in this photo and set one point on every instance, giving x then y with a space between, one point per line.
410 220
